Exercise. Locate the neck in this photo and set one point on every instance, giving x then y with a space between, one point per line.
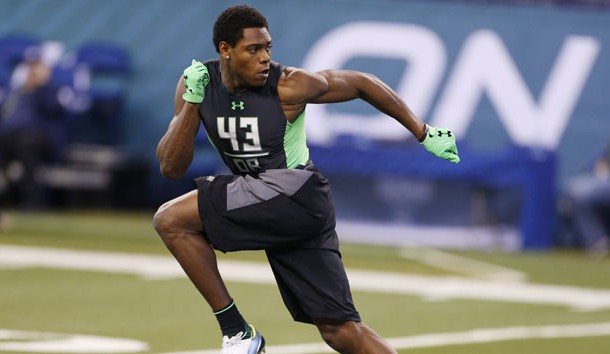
228 79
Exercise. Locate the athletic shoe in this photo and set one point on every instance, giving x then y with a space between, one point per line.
240 345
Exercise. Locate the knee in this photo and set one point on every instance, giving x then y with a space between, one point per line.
178 218
344 337
163 221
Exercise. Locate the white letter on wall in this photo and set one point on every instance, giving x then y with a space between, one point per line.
485 66
421 48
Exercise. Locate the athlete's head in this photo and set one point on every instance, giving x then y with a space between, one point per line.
242 39
230 25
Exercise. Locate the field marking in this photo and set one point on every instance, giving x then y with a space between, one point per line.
474 336
46 342
433 288
458 264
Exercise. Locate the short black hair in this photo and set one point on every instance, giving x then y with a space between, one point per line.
229 26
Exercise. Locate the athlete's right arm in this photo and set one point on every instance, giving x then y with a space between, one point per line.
176 147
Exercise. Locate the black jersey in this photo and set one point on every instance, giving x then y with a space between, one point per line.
270 202
249 129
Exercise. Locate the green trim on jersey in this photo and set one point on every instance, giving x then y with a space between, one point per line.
295 146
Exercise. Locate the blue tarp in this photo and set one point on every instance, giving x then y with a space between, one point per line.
529 169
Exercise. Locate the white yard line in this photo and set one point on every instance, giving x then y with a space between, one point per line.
45 342
458 264
480 335
428 287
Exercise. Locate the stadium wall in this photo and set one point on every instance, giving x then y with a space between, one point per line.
523 86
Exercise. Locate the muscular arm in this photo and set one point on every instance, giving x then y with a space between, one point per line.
176 147
346 85
298 87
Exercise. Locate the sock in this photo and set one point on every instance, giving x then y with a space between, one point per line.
231 321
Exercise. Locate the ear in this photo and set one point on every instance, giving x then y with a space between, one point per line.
224 49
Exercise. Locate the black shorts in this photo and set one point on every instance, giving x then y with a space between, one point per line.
313 284
289 213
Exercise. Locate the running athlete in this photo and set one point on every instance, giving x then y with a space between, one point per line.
253 111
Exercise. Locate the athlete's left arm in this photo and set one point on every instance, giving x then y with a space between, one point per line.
346 85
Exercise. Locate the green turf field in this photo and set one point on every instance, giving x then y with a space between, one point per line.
61 292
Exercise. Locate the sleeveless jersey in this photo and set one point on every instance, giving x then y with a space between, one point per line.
249 129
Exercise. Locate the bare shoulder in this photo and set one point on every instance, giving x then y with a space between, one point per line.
300 86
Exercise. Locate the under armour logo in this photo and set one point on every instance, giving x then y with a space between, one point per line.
235 105
441 133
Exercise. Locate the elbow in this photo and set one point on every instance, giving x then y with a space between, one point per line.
170 166
171 172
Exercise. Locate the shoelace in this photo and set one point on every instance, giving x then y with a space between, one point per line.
236 339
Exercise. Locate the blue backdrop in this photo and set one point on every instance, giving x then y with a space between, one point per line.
505 78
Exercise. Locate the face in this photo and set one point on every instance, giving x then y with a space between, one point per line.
38 74
250 58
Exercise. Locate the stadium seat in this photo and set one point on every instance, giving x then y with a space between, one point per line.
109 70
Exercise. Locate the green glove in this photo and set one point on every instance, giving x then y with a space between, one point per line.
196 78
441 142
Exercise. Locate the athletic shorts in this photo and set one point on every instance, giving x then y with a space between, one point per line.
289 213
